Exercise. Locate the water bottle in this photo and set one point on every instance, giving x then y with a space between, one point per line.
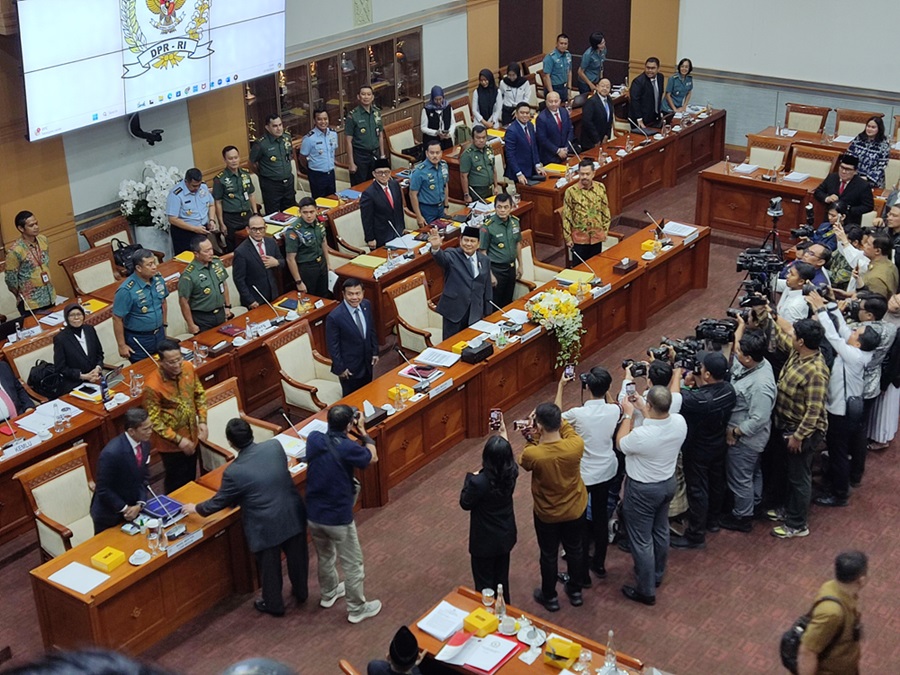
609 663
104 389
248 330
152 536
162 542
500 603
727 164
18 331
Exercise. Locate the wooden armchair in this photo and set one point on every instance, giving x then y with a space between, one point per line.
534 65
806 117
418 323
24 354
346 226
257 193
236 308
767 152
177 328
102 322
534 272
817 162
8 309
91 269
224 403
307 383
105 232
399 137
462 115
892 171
347 668
852 122
59 490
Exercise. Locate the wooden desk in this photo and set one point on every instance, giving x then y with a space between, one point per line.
138 606
468 600
16 515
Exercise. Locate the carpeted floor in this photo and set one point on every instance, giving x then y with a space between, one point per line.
720 610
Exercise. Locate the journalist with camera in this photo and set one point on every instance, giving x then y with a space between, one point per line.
792 303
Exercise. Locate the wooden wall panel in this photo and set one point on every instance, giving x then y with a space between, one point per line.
553 23
610 17
483 23
217 119
521 29
654 32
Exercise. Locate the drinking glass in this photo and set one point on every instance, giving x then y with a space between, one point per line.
203 352
487 598
67 420
137 385
629 144
584 661
516 199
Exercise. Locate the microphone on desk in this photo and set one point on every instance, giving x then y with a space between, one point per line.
663 238
16 440
422 385
288 420
149 356
278 318
478 196
516 327
639 128
596 281
409 252
577 156
25 304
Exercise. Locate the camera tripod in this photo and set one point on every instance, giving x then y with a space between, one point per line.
772 241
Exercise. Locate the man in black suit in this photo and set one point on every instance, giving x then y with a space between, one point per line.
14 400
272 512
597 117
381 202
122 473
847 189
257 262
467 281
351 338
646 96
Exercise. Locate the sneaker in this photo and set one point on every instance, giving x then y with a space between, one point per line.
775 515
339 593
369 610
785 532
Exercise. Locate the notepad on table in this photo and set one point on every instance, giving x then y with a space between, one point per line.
439 358
575 276
79 578
185 257
443 621
676 229
93 305
370 261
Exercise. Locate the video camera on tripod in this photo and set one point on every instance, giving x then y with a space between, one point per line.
717 331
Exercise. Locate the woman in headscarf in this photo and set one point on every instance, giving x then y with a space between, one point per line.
77 353
437 119
486 101
514 89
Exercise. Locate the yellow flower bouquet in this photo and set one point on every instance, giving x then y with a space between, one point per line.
557 311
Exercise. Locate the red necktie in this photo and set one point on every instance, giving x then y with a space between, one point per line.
558 121
841 188
138 454
387 193
527 134
262 251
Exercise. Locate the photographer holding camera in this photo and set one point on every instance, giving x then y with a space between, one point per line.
749 426
706 410
882 276
846 258
792 303
595 421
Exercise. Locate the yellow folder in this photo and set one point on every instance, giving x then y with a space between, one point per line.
575 276
370 261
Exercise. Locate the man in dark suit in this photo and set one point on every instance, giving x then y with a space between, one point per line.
272 512
351 338
597 117
467 293
381 202
122 473
554 131
14 400
522 160
646 96
257 262
847 189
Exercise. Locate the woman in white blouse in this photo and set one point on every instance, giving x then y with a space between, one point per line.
514 89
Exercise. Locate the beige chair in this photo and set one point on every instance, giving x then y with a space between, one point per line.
399 137
102 322
90 270
533 88
535 66
257 192
236 308
464 105
766 152
817 162
852 122
177 328
418 324
307 383
224 403
892 171
301 183
347 668
59 490
534 272
24 354
806 117
104 233
341 177
303 186
8 309
346 227
896 135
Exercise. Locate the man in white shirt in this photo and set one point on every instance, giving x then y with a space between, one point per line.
595 421
853 349
651 452
792 304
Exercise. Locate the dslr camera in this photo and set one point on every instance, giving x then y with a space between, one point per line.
638 368
759 261
735 312
720 331
659 353
685 352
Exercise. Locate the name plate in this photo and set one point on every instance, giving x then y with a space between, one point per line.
597 291
441 388
690 238
184 542
319 304
534 332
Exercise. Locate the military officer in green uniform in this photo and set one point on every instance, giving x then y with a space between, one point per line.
364 136
202 291
139 309
304 251
429 185
501 241
233 192
272 156
476 168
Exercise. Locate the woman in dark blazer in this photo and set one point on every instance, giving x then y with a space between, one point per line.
488 495
77 353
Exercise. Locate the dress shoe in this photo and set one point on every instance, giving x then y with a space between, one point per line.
260 605
631 593
831 500
735 524
564 579
684 542
624 545
575 598
550 604
599 571
713 526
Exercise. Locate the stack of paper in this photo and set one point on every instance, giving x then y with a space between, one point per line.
745 168
53 319
796 177
575 277
556 168
370 261
438 358
443 621
44 416
326 203
481 653
314 425
843 139
676 229
93 305
499 133
293 447
519 316
406 242
79 578
483 326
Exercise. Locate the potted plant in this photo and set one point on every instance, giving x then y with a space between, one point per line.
144 205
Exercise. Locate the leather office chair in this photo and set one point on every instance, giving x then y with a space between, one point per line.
817 162
102 322
24 354
766 152
236 308
806 117
224 403
852 122
104 233
307 382
90 270
418 323
346 226
534 272
59 490
399 137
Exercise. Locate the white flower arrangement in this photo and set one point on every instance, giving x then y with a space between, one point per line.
144 201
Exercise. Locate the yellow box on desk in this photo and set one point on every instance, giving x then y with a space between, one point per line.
561 653
459 346
108 559
648 245
481 622
407 392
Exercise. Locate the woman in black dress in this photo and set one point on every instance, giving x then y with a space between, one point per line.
77 353
488 495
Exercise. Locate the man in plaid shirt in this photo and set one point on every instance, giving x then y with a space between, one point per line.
800 420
